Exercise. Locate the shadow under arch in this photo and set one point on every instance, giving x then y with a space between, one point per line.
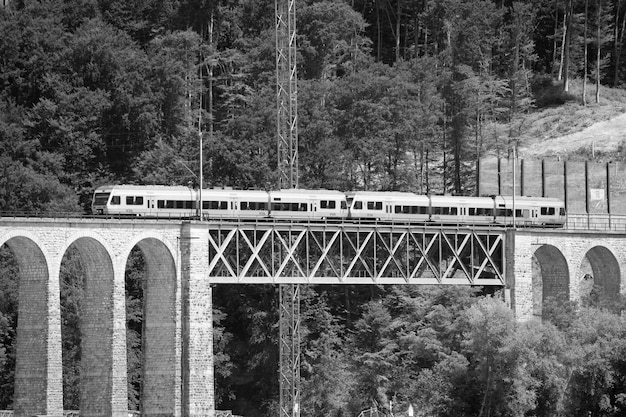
100 371
604 285
37 389
550 277
161 357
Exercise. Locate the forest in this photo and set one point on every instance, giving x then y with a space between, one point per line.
392 95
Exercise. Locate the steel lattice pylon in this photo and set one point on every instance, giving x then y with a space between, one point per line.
287 132
287 93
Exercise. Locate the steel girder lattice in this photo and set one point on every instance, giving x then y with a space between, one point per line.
354 254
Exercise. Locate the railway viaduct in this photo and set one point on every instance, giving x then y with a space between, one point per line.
184 258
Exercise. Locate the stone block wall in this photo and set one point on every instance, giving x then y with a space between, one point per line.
104 246
562 261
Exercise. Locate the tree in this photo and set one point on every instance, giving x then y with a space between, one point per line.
326 379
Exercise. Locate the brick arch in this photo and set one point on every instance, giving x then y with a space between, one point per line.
38 371
550 276
103 373
161 356
605 273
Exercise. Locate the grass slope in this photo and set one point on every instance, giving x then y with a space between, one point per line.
573 131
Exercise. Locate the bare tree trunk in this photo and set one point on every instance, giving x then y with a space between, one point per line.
585 69
398 15
619 45
568 37
560 76
555 45
599 46
379 34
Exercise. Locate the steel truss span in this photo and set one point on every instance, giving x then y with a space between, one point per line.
355 254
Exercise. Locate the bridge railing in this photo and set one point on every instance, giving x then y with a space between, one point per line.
606 222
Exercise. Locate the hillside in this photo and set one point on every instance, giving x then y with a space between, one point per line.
574 131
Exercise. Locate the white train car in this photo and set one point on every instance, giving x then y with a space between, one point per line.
144 201
294 204
230 204
388 206
530 211
459 209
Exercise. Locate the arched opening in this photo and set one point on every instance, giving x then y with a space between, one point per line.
88 298
599 278
72 281
153 358
9 278
27 328
550 277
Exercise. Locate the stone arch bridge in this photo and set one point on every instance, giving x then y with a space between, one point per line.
184 258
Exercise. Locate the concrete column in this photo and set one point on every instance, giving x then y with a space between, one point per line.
198 376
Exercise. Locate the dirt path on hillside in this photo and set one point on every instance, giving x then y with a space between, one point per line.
602 137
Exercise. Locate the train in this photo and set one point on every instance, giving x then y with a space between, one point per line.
160 201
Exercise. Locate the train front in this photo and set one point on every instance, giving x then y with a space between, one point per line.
100 201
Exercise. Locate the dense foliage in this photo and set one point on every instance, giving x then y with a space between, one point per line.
395 95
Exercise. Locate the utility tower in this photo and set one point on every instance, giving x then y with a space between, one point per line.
287 129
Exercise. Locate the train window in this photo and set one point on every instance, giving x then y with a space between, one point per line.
328 204
189 204
397 209
480 211
358 205
446 211
344 205
179 204
115 200
101 198
562 211
547 211
253 205
134 201
215 205
289 207
160 204
374 205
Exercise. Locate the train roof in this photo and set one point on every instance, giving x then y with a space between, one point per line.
531 201
462 200
385 195
142 187
300 192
